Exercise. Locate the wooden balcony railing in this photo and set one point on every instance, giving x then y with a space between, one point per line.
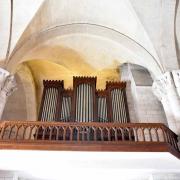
89 136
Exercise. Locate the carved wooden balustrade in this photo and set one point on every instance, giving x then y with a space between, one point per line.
91 136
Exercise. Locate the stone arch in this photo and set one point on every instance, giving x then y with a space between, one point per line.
131 50
25 75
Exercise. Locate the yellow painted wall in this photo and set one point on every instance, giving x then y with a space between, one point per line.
46 70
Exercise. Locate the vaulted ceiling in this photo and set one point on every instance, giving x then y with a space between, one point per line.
23 12
102 34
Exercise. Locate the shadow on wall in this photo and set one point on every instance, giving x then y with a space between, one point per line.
62 63
15 108
51 63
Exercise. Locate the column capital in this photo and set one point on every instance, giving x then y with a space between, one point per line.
166 80
160 86
165 84
176 77
9 85
3 75
165 89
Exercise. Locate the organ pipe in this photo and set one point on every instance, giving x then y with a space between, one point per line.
84 103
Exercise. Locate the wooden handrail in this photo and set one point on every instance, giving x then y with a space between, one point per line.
91 132
80 123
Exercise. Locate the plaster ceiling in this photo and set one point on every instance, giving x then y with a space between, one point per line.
139 21
47 70
77 51
23 11
75 55
116 15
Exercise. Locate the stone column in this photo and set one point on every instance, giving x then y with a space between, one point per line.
125 75
7 87
165 90
176 76
3 75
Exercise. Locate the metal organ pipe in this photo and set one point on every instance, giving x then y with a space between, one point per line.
118 106
55 96
81 102
87 104
91 99
88 100
84 103
66 109
77 104
84 97
113 105
43 115
120 112
49 106
124 107
46 110
102 109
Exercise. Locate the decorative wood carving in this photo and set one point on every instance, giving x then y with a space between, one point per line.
91 136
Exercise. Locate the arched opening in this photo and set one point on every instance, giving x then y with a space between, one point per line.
84 37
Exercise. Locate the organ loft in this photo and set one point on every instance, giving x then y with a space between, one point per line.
89 89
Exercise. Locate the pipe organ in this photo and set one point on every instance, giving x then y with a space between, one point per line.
50 100
84 103
102 113
84 99
118 104
65 112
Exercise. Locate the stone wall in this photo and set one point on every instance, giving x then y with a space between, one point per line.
149 108
143 105
15 108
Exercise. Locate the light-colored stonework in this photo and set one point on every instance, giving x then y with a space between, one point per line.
176 77
142 103
8 86
165 88
57 39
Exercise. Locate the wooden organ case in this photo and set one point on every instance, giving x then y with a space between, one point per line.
84 103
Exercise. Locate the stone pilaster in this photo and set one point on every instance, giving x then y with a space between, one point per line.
143 105
165 89
176 76
7 87
3 75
